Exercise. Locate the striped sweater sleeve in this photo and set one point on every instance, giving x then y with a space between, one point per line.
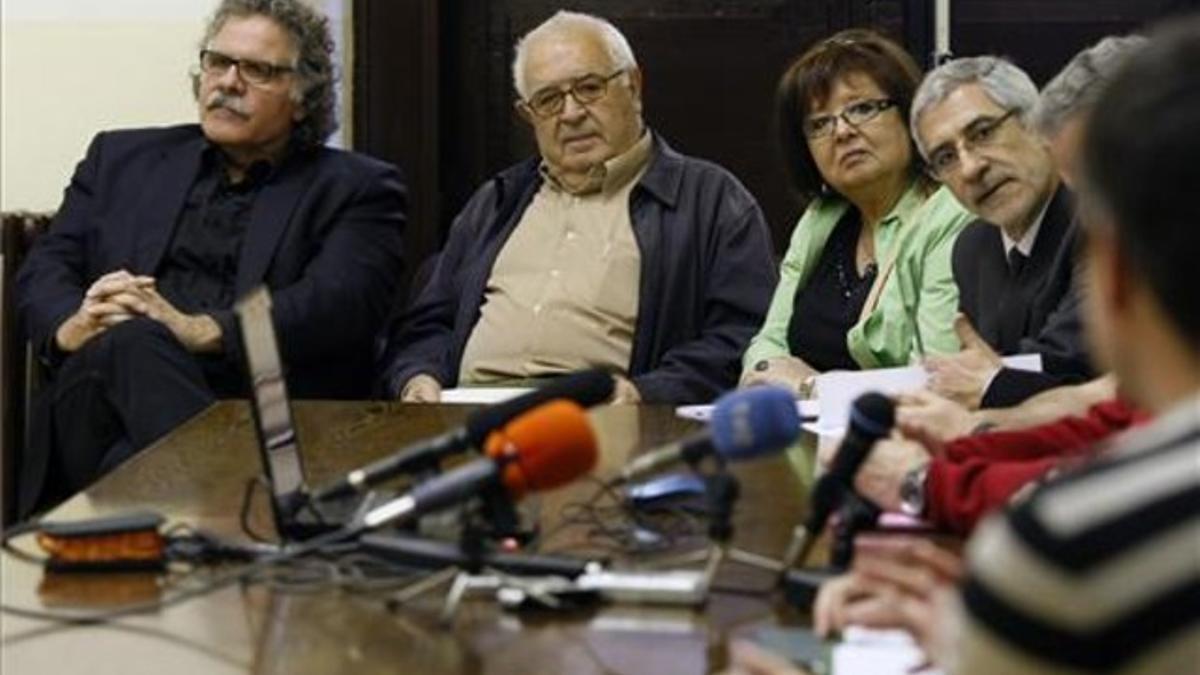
1097 571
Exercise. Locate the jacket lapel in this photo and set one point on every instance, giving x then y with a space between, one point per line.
269 218
164 195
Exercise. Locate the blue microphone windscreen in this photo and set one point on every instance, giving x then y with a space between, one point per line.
754 422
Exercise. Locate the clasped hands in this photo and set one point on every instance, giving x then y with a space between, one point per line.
119 296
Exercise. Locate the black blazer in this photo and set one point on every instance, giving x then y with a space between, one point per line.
324 236
1035 311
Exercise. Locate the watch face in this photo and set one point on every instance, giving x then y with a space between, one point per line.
912 492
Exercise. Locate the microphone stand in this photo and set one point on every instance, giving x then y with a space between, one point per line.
723 490
494 517
855 515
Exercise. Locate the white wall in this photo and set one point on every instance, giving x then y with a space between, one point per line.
71 68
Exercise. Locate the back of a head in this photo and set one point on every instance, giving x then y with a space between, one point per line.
1076 87
1140 167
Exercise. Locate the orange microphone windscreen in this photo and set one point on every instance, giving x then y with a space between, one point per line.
547 447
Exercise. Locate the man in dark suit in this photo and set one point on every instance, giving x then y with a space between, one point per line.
1015 266
128 299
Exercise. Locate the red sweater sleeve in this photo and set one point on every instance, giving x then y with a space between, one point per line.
978 474
1065 437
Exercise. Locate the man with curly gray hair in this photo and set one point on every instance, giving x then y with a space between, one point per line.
128 299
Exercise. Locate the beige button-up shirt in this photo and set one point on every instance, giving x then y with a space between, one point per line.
563 294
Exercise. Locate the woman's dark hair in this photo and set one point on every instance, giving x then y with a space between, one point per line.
810 78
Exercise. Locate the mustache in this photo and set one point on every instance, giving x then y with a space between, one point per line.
234 104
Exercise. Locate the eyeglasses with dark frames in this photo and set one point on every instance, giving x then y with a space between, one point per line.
946 159
855 114
585 90
215 63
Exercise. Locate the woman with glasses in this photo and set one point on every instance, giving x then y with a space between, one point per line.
866 281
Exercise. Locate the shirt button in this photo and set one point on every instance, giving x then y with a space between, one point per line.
571 236
537 309
554 274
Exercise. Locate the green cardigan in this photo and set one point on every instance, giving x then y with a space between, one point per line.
921 233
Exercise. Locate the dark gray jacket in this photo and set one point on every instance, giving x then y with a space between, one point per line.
707 273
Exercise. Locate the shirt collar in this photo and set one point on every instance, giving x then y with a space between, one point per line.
908 203
259 171
1025 245
610 176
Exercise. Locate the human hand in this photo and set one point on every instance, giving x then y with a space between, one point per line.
784 371
111 299
896 582
882 473
624 392
421 388
198 333
747 658
963 377
932 420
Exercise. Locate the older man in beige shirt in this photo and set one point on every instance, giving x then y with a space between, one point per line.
563 295
609 251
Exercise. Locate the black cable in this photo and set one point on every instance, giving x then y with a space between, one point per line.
613 527
244 511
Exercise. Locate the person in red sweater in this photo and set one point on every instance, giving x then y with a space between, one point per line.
954 483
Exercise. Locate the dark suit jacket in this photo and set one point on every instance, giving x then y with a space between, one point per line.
324 235
1035 311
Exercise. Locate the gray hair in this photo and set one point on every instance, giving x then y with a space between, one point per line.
1007 85
1078 86
315 76
614 42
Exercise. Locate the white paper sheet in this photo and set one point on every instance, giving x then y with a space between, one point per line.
837 389
701 413
878 652
482 395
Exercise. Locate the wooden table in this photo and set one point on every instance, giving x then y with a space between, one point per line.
197 475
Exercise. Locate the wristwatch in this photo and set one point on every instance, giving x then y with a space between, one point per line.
912 491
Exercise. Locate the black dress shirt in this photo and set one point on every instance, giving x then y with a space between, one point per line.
198 273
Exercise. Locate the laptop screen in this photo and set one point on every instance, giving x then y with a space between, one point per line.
278 444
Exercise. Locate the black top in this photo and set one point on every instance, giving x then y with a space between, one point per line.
828 306
199 271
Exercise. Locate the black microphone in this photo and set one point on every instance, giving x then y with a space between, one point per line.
545 448
871 418
587 388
